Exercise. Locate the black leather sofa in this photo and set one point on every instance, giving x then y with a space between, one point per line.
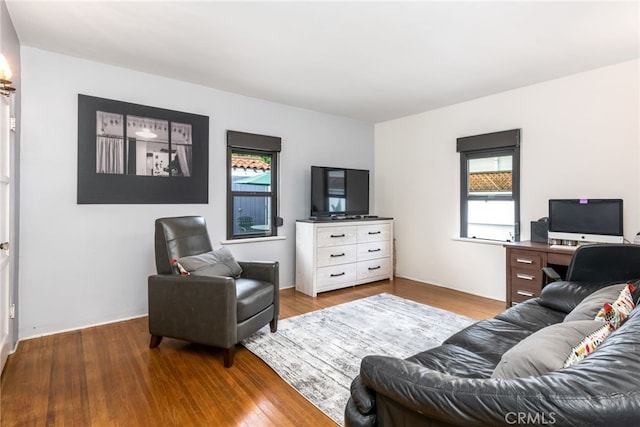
451 385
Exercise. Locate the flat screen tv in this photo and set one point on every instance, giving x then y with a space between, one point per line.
586 220
337 192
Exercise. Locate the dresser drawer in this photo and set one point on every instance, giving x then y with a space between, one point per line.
374 233
333 255
373 250
527 259
327 277
373 268
332 236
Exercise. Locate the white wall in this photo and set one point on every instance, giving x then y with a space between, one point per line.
87 264
580 138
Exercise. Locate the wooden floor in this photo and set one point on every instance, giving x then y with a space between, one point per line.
107 375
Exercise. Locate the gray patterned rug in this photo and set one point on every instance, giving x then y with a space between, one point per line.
319 353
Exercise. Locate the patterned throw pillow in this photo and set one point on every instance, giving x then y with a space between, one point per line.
616 313
180 269
588 345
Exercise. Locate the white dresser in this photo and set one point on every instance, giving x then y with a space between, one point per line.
338 254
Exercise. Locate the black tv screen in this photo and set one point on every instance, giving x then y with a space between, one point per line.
339 191
588 216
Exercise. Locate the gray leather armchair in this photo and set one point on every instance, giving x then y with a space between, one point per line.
212 310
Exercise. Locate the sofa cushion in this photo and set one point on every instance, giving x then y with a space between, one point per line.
592 304
544 351
454 360
531 315
489 338
218 262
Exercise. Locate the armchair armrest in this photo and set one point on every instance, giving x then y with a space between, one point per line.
210 303
267 271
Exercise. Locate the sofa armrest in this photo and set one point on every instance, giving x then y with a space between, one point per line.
565 296
213 299
565 397
361 407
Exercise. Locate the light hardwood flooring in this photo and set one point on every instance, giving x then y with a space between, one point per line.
108 376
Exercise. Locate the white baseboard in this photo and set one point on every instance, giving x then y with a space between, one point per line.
62 331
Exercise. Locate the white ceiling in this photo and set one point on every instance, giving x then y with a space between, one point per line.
373 61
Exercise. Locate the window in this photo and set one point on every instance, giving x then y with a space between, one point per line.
252 191
490 186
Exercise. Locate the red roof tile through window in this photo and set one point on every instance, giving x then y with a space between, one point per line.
249 163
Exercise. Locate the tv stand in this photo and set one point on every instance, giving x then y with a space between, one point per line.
334 254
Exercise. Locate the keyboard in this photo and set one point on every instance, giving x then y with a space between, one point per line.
568 248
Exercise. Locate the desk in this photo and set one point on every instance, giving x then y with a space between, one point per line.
525 261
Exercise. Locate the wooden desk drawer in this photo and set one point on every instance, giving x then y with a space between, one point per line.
518 298
525 284
528 259
529 281
559 259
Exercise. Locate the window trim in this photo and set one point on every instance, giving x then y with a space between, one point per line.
245 143
483 146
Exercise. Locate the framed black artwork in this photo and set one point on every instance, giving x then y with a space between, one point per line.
130 154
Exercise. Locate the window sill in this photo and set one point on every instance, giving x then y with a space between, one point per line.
252 240
481 241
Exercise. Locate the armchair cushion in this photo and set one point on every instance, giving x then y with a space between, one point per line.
218 262
252 297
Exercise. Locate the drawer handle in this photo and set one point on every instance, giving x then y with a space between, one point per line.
375 250
337 274
525 276
337 255
374 268
338 235
525 293
375 232
524 261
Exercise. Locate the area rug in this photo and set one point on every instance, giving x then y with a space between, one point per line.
319 353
